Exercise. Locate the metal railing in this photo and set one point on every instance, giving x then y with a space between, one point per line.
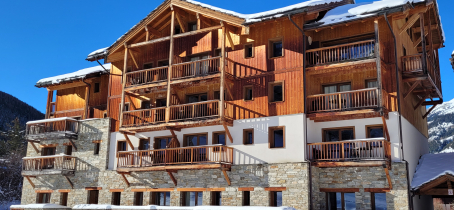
348 100
341 53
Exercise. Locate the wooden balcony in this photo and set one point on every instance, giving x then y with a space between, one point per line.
357 152
183 158
52 128
343 101
49 165
424 75
341 53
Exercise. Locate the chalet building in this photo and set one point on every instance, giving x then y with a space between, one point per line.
318 105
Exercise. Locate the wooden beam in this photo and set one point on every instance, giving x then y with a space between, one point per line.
378 65
153 31
50 96
385 127
245 30
226 176
344 190
128 141
245 189
229 91
183 24
423 43
428 112
433 192
227 132
377 190
222 79
199 21
169 71
87 99
34 146
125 179
172 178
69 181
426 28
232 45
412 88
409 23
30 181
348 164
389 178
122 103
418 41
72 143
421 101
173 134
133 59
203 20
132 103
190 33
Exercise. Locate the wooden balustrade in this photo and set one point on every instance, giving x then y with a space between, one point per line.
373 149
194 110
55 125
196 68
341 53
146 76
51 163
412 64
144 117
348 100
175 156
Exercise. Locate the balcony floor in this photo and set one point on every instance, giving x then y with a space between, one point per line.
344 115
49 172
362 163
175 167
51 135
198 122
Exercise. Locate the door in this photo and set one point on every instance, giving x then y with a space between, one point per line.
198 110
337 101
48 163
200 68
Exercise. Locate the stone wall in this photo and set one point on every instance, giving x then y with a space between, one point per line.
362 178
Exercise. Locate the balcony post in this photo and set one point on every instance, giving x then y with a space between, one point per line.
169 71
378 62
50 96
125 67
423 43
221 91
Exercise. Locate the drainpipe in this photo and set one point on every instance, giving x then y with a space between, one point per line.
410 198
88 97
305 116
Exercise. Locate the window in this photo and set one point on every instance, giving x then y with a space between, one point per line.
163 63
374 131
161 142
138 198
192 26
177 30
195 140
126 108
64 198
218 52
144 144
275 198
248 50
219 138
69 150
96 90
116 196
160 198
338 134
378 201
105 115
248 136
43 198
276 137
247 93
196 98
334 88
97 148
191 198
121 146
162 102
372 83
216 198
404 50
145 105
246 198
148 65
93 196
352 39
276 91
47 151
340 201
276 48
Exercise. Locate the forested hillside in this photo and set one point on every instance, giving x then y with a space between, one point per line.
441 128
12 108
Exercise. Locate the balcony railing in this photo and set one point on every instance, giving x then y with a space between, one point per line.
353 150
64 125
341 53
144 117
197 110
412 65
45 165
348 100
146 76
216 154
196 68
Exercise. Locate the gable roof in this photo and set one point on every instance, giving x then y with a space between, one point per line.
432 167
96 70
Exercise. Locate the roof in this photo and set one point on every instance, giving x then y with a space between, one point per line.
431 167
95 55
51 120
73 76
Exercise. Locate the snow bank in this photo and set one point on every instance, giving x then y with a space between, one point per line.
92 206
72 76
432 166
51 120
39 206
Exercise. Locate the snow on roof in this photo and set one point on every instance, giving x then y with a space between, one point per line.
97 53
39 206
49 156
431 167
72 76
97 206
50 120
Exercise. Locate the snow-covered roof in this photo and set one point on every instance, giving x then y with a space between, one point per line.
73 76
431 167
97 54
39 206
50 120
106 206
49 156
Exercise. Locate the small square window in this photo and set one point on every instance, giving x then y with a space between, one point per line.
276 91
93 196
372 83
276 198
138 198
247 93
246 198
276 137
248 51
148 65
144 144
43 198
64 198
116 196
96 90
97 148
276 48
69 150
216 198
192 26
374 131
121 146
248 136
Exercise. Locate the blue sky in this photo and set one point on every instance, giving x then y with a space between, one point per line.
47 38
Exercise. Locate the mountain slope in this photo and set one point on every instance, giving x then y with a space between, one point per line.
11 107
441 128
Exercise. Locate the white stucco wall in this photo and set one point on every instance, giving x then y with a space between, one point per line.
243 154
